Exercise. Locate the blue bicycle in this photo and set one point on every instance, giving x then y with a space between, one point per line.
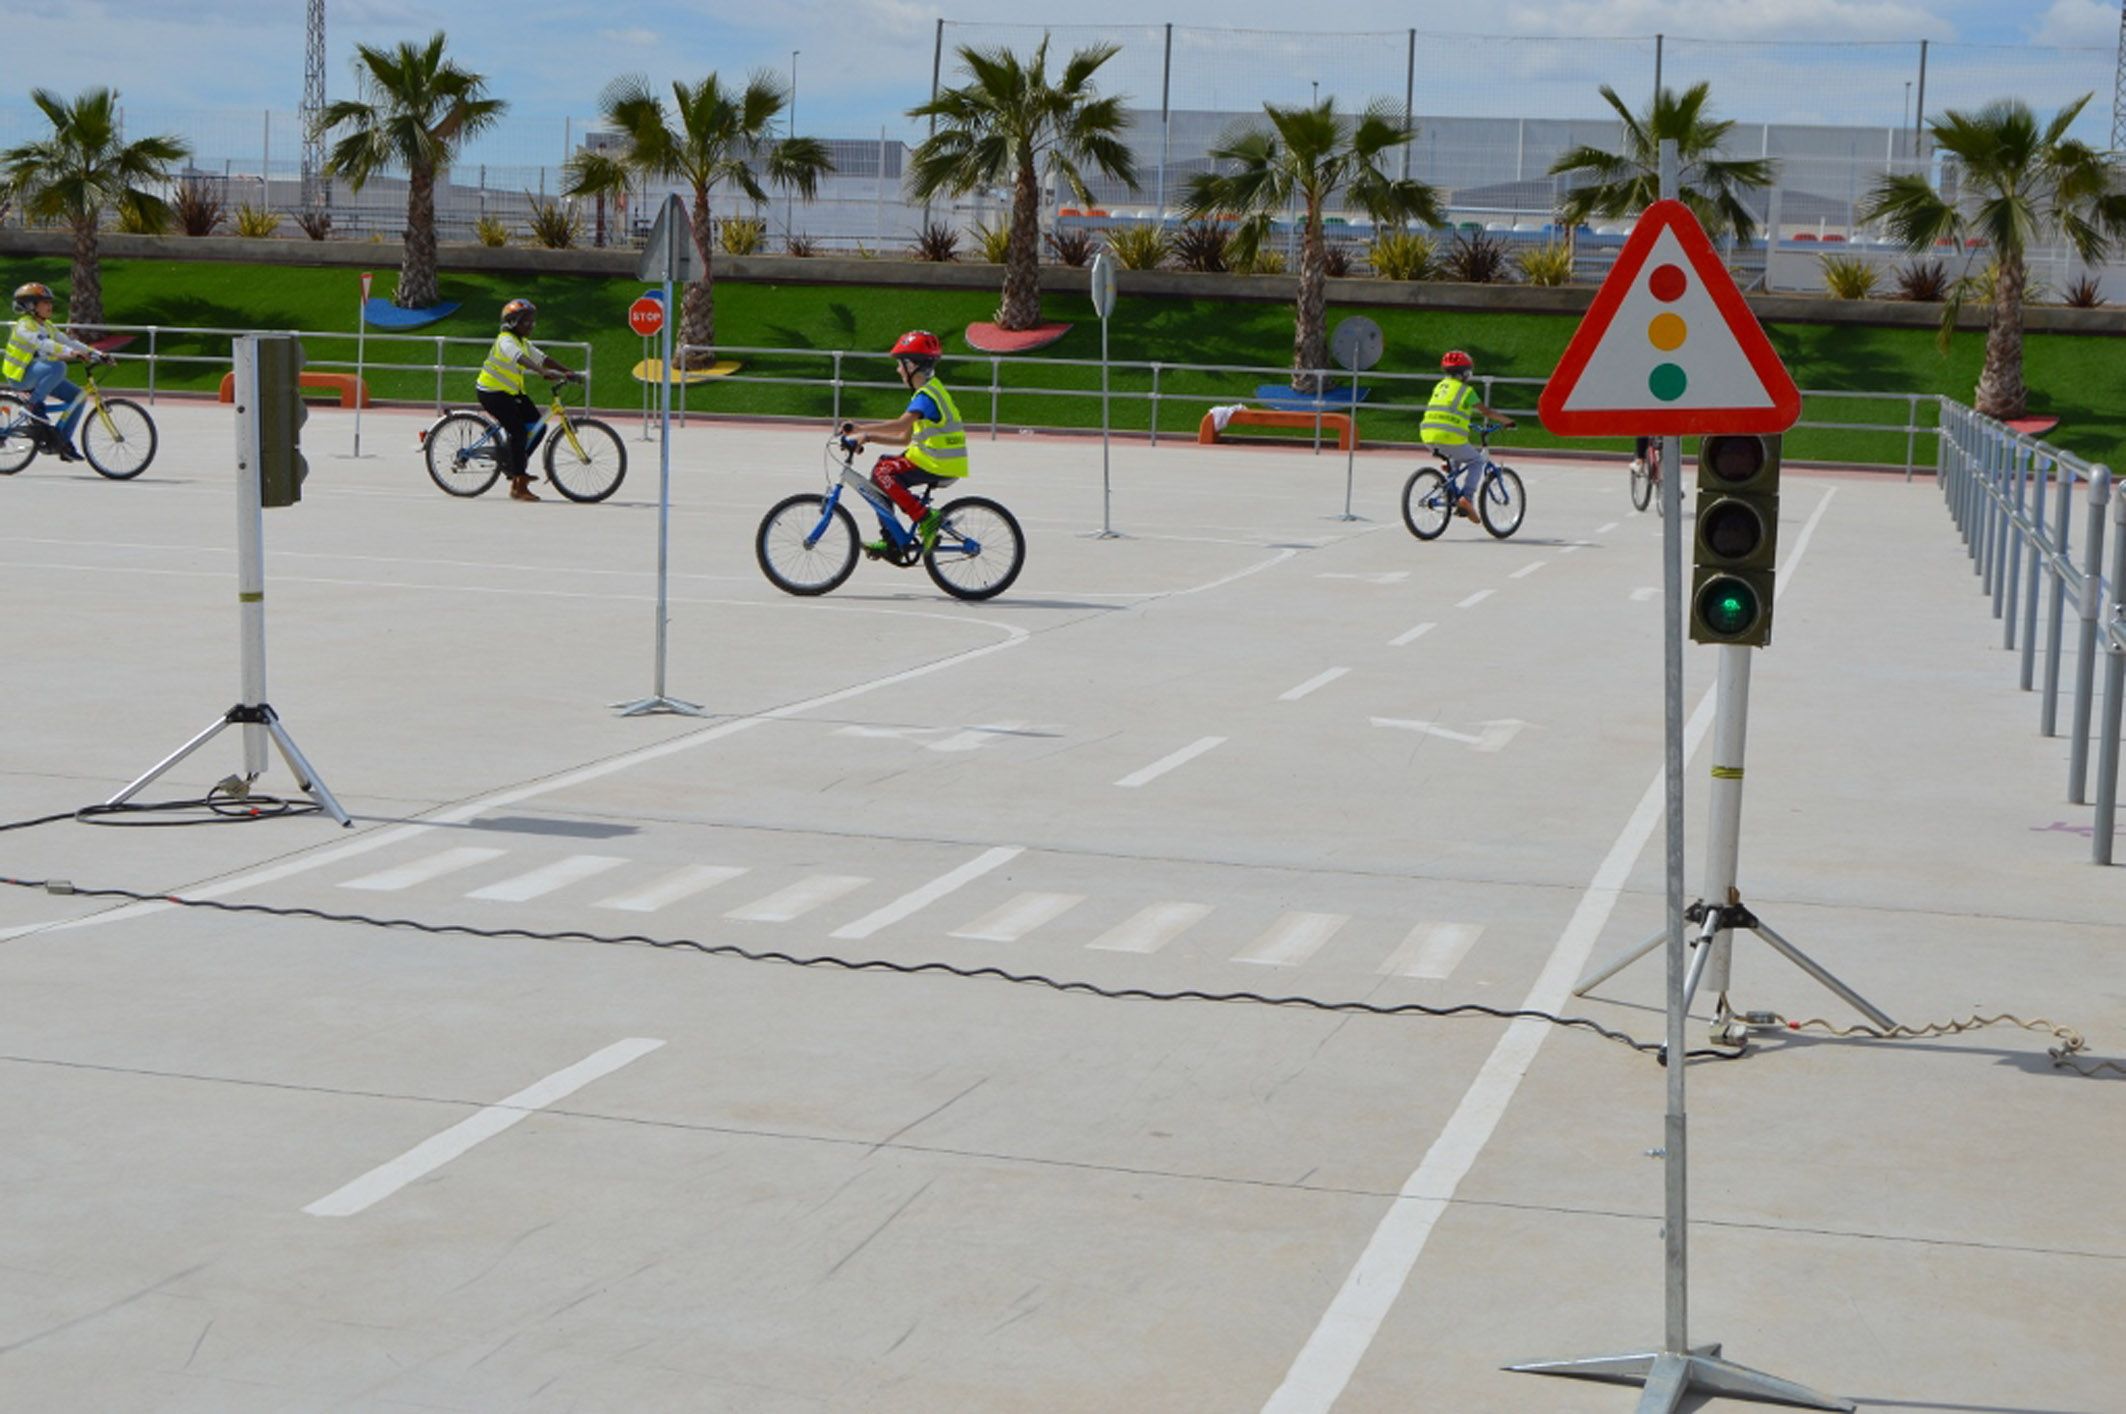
1501 503
808 544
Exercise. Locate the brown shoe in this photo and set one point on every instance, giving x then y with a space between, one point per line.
1465 509
520 489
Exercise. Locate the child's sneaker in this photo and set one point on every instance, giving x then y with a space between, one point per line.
927 529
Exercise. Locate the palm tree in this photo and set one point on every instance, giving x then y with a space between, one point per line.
2022 186
711 135
1009 119
1626 183
83 169
425 108
1305 157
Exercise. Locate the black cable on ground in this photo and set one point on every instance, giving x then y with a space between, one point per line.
221 809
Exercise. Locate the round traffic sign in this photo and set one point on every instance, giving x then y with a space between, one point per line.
646 316
1357 343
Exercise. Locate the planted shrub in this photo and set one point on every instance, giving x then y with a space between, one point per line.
315 224
1475 258
1201 246
490 231
1071 247
2085 293
938 243
1266 262
1404 255
993 241
1926 281
256 222
196 208
800 245
1336 260
1848 276
1547 264
1139 247
741 235
554 225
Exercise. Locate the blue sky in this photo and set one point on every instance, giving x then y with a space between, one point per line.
863 62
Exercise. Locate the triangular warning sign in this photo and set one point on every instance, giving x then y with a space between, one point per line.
1669 346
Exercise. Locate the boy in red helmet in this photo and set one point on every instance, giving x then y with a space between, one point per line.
1446 427
930 429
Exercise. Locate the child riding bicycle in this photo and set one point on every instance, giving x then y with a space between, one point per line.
36 358
1446 428
501 390
930 429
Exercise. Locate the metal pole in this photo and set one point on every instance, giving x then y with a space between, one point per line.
2107 769
1107 497
664 471
2006 588
1166 122
1351 452
789 200
1919 110
1659 42
2049 714
250 552
937 64
2085 642
361 332
1675 1164
2041 479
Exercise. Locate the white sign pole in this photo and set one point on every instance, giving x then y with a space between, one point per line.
1102 288
361 329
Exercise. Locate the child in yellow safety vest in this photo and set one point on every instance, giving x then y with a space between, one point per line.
500 387
1446 427
35 361
930 429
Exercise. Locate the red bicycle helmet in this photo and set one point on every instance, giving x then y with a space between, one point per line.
1454 359
518 314
918 343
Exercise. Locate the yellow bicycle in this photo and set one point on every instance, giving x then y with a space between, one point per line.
585 459
117 434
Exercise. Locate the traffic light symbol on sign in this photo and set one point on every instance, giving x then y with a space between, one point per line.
281 415
1737 540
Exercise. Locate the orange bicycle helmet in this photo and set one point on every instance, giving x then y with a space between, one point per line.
518 314
27 295
919 344
1455 359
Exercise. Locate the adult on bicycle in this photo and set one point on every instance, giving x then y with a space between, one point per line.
36 359
501 389
930 429
1446 428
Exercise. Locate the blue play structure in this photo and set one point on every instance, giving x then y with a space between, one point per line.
1281 397
380 313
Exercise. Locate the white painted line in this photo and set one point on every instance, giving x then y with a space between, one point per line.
929 893
1370 577
1151 929
798 899
431 1154
549 877
1167 763
1432 951
1325 1364
1319 680
1292 939
1475 599
1645 592
1569 549
1019 917
1528 569
1605 527
1403 640
683 883
435 866
1494 737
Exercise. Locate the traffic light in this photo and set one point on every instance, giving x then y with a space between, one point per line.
1737 540
281 414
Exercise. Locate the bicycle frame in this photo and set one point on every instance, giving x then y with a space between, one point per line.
90 394
556 416
842 475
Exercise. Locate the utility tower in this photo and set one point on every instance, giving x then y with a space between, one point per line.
315 197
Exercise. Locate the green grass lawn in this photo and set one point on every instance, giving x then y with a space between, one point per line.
2078 378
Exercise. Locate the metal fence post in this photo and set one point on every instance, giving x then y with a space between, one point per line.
2107 766
2049 713
1911 432
151 364
439 375
2006 584
837 387
2085 643
2042 475
995 374
1155 404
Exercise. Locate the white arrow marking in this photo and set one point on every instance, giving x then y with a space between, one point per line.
1493 738
966 739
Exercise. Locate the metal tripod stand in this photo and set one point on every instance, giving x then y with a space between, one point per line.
263 717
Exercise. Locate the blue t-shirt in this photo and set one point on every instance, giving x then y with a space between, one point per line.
926 407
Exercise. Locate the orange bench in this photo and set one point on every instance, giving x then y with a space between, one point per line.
1338 422
353 392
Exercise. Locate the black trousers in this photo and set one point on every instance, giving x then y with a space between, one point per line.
516 415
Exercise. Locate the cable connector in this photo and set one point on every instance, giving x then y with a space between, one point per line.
58 886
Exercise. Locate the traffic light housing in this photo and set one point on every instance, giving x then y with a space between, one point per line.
1737 540
281 414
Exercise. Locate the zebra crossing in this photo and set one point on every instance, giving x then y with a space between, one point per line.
768 894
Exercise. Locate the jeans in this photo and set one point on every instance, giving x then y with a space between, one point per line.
45 380
1465 468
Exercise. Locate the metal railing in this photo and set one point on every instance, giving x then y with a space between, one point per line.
362 360
2013 498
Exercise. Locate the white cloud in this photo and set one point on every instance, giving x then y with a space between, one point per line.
638 37
2076 23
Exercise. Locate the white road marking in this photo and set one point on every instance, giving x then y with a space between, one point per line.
1605 528
1019 917
1493 738
1569 549
929 893
1475 599
549 877
431 1154
1325 1364
1432 951
1292 939
1644 592
1528 569
1374 577
683 883
420 871
1402 640
1151 929
1319 680
1167 763
798 899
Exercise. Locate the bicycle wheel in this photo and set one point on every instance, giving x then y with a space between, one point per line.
804 550
1426 505
464 453
591 473
119 440
1642 484
979 551
18 444
1503 503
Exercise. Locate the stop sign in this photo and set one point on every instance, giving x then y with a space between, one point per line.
646 316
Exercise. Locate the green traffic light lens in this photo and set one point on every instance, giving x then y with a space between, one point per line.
1728 607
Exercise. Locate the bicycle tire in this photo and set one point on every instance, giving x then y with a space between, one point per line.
594 475
1503 504
1642 485
458 460
801 550
120 440
1426 505
18 447
985 570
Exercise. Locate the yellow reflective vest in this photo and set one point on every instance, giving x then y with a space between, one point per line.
940 447
26 341
501 373
1446 421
